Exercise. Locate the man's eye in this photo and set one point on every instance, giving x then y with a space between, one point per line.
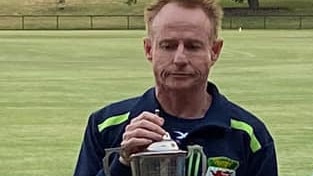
193 46
168 46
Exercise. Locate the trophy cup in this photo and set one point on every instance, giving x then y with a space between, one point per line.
161 158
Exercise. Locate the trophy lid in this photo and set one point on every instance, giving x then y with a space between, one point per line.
167 144
165 147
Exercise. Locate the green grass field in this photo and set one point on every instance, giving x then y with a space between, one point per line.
50 81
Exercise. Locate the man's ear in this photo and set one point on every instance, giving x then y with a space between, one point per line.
148 48
216 49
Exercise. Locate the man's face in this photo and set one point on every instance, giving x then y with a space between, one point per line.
180 48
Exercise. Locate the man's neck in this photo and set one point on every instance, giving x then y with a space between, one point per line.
184 103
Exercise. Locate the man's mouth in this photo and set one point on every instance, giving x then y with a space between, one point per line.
181 74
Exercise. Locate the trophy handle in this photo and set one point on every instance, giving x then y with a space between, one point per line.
197 149
106 164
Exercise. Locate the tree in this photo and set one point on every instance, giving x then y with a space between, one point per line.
61 4
253 4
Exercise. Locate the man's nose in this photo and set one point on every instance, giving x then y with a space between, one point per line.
180 57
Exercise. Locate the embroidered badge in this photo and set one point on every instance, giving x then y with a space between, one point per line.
222 166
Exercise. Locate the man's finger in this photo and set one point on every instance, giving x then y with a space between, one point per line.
143 133
145 124
150 117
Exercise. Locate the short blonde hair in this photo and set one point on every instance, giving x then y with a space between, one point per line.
211 7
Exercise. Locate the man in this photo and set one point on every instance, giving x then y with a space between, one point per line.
182 46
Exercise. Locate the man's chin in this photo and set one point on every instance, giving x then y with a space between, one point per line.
180 85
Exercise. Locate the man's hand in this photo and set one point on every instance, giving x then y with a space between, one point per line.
140 133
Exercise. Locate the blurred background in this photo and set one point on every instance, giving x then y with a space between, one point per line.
123 14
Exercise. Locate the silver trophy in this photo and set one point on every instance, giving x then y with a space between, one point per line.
159 159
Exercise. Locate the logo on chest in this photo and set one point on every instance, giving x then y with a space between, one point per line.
222 166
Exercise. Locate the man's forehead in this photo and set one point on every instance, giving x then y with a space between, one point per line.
180 29
171 22
180 25
174 15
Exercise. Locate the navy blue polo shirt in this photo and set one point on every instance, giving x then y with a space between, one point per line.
234 141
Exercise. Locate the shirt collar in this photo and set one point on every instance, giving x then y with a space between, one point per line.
218 114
